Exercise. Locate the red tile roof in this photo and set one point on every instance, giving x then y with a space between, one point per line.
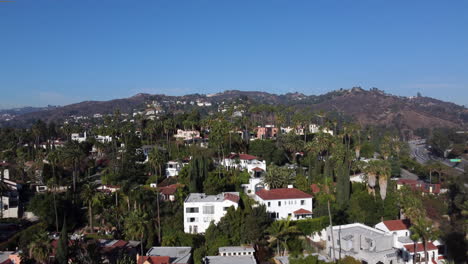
420 247
395 225
257 169
231 197
153 259
282 193
423 186
302 212
170 189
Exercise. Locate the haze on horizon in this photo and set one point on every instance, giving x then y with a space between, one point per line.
62 52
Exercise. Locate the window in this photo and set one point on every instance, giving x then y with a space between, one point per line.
269 204
208 209
195 229
225 208
191 219
289 214
302 202
191 210
279 203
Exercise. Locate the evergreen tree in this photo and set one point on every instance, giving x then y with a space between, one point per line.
62 247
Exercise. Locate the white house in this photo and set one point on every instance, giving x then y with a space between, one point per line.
286 202
313 128
79 137
103 139
10 198
173 168
387 243
244 162
187 134
364 243
400 229
237 251
201 209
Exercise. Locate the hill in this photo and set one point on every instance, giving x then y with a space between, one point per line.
364 106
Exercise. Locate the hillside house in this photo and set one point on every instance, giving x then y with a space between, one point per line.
201 209
286 202
254 165
187 134
267 132
424 187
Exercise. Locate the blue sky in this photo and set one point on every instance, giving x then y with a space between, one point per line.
64 51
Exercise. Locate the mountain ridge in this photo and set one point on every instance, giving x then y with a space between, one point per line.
372 106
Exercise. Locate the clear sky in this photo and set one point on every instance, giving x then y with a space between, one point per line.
64 51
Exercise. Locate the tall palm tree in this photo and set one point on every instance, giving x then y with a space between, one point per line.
92 197
136 226
40 248
157 160
74 155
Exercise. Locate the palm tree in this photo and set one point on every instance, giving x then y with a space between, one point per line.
92 197
280 231
157 160
40 248
136 226
51 185
384 173
278 177
422 229
74 155
371 169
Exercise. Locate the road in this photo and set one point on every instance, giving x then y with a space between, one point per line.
421 154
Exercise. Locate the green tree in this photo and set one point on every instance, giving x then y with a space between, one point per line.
62 247
278 177
91 197
136 226
40 248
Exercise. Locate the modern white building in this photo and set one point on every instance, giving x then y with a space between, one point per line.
10 197
313 128
387 243
237 251
187 134
79 137
173 168
286 202
201 209
247 162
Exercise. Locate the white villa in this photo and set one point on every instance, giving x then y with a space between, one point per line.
173 168
286 202
187 134
247 162
387 243
201 209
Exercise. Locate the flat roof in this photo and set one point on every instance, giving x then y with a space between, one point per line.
230 260
203 198
236 249
176 254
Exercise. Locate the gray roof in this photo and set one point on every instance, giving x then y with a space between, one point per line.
405 240
236 249
4 255
230 260
201 197
176 254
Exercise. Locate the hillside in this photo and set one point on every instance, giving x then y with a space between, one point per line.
364 106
